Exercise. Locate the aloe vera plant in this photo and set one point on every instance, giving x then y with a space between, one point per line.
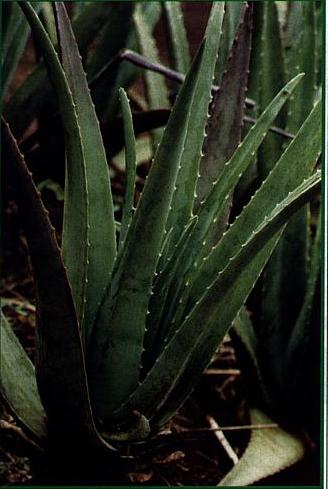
281 337
127 325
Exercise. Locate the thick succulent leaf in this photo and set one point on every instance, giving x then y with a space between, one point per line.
301 57
226 117
295 164
158 325
302 329
178 36
60 366
184 194
266 77
15 35
130 166
36 91
284 281
246 333
121 323
214 207
217 302
113 38
178 368
158 97
126 72
76 171
18 383
319 41
229 29
48 20
100 234
269 451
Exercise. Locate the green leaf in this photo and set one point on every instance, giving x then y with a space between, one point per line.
36 91
99 237
48 20
190 350
130 167
126 72
158 320
301 332
302 58
178 36
18 382
113 38
15 37
269 451
284 281
184 194
267 77
60 368
213 208
246 333
158 97
76 171
229 28
122 318
294 165
226 118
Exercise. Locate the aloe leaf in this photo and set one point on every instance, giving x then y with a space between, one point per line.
158 327
266 77
127 72
101 240
14 40
247 335
293 166
48 20
130 167
284 281
319 38
178 36
18 383
184 194
302 327
226 117
274 447
60 369
239 276
76 171
192 347
229 27
158 97
303 60
123 314
113 37
27 101
214 206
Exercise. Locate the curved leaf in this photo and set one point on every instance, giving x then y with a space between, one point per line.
178 368
100 234
178 36
18 382
269 451
60 368
184 194
156 88
130 166
122 317
226 117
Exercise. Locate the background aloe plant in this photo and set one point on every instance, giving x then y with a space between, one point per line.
281 334
127 321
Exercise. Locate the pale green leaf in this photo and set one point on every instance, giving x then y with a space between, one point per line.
18 382
269 451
